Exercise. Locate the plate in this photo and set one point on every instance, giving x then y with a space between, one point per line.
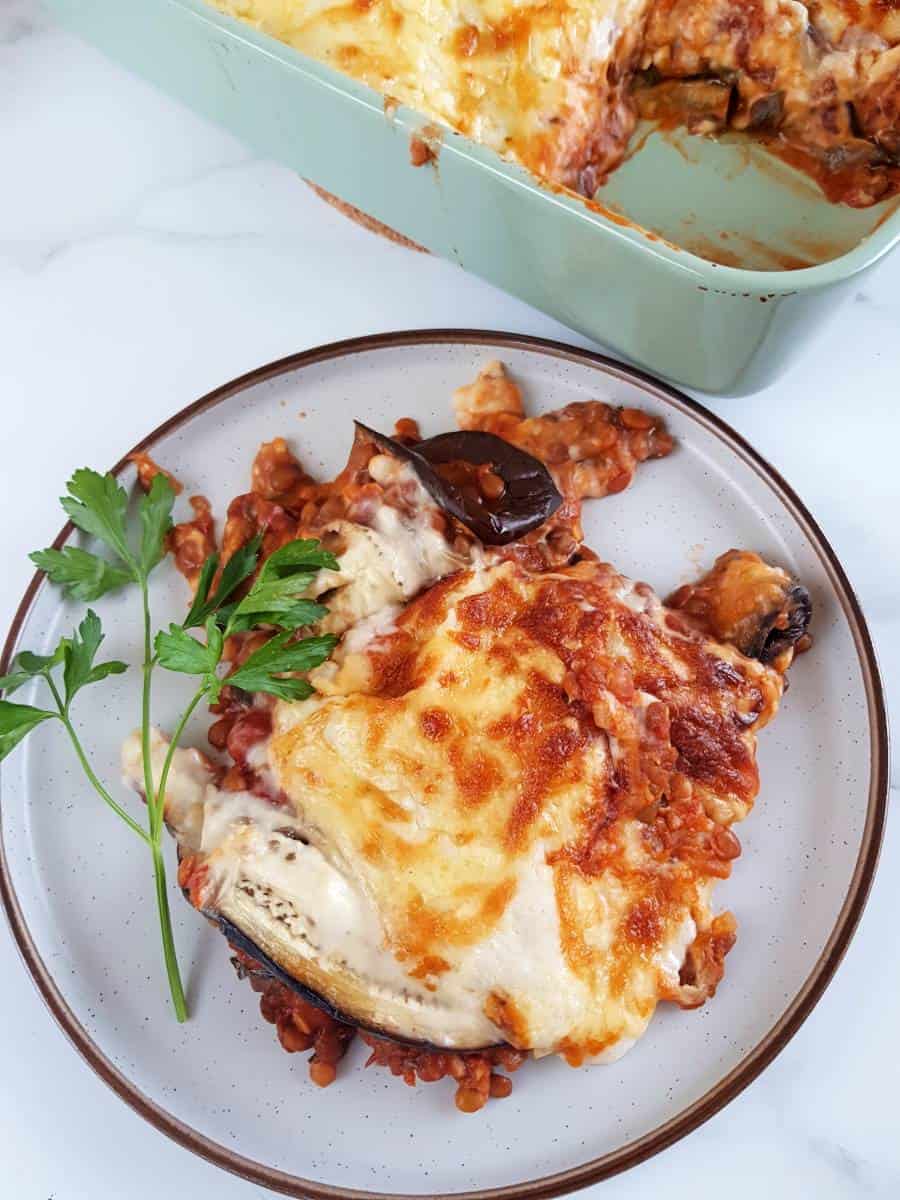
78 892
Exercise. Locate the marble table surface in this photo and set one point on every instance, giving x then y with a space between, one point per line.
145 257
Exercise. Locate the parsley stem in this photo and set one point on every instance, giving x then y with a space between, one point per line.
147 670
156 818
170 754
168 940
155 804
88 770
98 786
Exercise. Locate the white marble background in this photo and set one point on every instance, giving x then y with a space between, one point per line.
145 257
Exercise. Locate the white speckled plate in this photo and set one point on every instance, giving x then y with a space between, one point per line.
77 888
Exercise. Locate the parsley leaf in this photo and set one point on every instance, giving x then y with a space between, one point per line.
239 567
279 655
272 593
79 653
276 597
13 681
293 616
76 653
178 651
30 666
82 575
16 721
97 504
305 554
40 664
201 603
266 607
155 511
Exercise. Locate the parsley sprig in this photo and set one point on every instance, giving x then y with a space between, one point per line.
98 505
275 600
267 669
76 656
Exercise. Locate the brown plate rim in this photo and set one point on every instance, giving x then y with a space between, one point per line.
797 1011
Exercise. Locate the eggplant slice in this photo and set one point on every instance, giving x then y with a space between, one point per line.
254 870
757 608
529 496
339 993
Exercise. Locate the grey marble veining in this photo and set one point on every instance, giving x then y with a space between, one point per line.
145 257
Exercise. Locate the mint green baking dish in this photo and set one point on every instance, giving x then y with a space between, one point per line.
654 297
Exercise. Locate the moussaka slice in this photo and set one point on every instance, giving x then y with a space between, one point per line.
499 820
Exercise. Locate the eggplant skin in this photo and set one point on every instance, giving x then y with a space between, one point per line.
749 604
784 627
241 941
530 496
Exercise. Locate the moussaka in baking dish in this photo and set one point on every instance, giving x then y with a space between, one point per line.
557 85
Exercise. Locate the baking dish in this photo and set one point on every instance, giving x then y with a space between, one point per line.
653 294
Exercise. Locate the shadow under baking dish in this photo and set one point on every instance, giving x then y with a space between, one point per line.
75 884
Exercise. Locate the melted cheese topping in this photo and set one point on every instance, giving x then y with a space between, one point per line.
508 805
525 77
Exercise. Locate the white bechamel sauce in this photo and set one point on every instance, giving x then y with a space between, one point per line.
296 892
245 842
638 602
523 958
186 787
419 554
328 916
360 637
387 562
364 583
258 760
670 958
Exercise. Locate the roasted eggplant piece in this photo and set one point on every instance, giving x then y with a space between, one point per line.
702 105
755 607
252 869
496 490
766 112
784 628
337 990
247 887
